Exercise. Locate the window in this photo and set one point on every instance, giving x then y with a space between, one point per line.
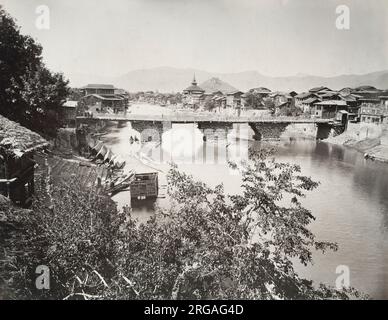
27 189
2 169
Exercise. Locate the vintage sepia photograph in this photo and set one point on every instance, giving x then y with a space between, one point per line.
200 150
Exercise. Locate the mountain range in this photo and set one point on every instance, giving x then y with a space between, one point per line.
168 79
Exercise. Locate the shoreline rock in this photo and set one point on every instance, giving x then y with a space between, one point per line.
370 139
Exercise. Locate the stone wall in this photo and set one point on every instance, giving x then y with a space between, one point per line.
151 131
268 131
215 131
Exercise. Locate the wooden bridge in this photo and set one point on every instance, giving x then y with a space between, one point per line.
196 118
265 128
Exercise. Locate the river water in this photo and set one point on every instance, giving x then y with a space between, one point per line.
350 204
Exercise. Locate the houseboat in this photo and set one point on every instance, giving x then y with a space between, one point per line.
145 184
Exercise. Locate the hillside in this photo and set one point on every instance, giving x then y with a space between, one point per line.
216 84
167 79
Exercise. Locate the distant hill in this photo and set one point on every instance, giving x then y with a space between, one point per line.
215 84
167 79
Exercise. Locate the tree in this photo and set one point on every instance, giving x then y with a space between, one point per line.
253 101
209 104
213 246
269 104
176 98
205 245
70 229
29 93
43 93
290 110
75 94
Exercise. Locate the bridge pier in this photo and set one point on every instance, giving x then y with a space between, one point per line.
214 130
151 130
325 129
269 130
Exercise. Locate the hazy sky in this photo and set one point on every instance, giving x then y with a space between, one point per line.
274 37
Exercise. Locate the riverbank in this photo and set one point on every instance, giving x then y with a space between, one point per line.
355 187
370 139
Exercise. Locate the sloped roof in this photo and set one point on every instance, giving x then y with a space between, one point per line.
327 94
282 104
317 89
105 97
280 93
369 94
350 97
305 95
331 103
260 90
70 104
346 89
98 86
311 100
18 139
234 93
194 87
365 88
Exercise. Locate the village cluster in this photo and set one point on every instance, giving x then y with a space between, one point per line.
17 144
361 104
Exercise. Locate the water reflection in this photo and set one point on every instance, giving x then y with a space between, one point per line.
350 205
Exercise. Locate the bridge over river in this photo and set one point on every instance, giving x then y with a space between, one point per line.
265 128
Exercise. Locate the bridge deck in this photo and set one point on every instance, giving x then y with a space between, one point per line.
177 118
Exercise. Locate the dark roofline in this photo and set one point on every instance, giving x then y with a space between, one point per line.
99 86
194 88
18 139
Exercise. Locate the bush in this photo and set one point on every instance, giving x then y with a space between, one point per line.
207 245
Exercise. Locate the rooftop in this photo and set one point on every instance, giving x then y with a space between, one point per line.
304 95
366 88
327 94
260 90
332 103
317 89
194 87
236 92
18 139
99 86
311 100
111 97
350 97
70 104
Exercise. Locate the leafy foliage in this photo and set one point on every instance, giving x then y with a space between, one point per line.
269 104
254 101
290 110
29 93
68 230
205 245
209 104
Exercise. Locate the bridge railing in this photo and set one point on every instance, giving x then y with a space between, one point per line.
200 116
